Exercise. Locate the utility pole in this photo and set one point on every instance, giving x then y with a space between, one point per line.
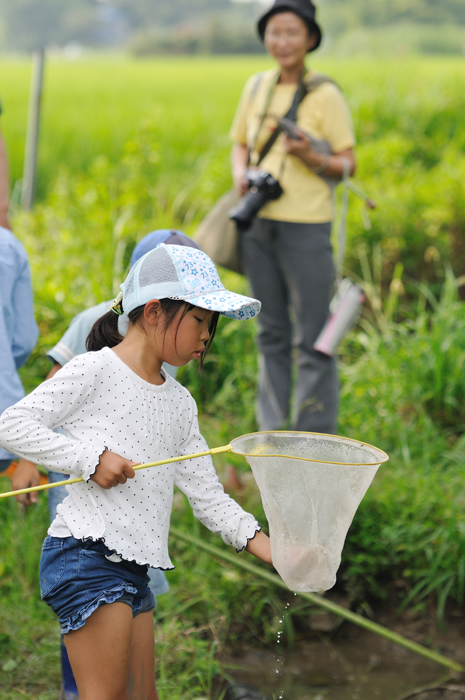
33 118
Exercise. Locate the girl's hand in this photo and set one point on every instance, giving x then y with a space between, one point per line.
260 547
113 470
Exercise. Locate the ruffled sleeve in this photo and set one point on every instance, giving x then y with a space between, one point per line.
199 481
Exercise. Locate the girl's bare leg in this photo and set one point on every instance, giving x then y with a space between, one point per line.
141 680
100 652
113 655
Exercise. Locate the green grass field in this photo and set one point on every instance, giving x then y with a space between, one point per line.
407 116
132 145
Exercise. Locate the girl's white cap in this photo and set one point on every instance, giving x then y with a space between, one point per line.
179 272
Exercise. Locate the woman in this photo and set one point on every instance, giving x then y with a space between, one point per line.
286 251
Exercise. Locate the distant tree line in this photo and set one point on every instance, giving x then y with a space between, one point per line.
341 15
192 26
184 24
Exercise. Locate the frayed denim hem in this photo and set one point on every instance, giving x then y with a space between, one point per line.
76 621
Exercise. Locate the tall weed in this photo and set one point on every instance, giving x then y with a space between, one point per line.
405 393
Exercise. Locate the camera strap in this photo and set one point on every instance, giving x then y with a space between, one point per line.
306 85
299 95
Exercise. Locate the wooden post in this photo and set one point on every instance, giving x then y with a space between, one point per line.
30 154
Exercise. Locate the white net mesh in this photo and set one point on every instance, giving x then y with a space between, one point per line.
309 504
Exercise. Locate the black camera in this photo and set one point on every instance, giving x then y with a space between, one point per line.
263 188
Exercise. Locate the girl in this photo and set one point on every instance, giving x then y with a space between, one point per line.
117 405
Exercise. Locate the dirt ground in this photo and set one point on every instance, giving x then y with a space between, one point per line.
334 661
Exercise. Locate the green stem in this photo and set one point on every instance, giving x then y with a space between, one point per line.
322 602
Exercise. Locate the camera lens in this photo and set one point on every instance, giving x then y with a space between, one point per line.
249 205
263 188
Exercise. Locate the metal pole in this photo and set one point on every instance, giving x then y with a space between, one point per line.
30 155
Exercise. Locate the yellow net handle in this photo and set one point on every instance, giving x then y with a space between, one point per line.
66 482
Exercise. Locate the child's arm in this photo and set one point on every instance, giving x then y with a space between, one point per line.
260 547
199 481
26 429
113 470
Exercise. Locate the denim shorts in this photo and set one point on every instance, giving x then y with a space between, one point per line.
158 582
76 577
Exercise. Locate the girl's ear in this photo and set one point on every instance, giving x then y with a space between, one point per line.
153 312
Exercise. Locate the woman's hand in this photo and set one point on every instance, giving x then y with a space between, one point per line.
332 166
300 147
260 547
113 470
241 184
25 475
239 162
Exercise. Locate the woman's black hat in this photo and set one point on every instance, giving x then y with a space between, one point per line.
305 9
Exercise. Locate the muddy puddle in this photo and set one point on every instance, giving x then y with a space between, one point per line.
351 666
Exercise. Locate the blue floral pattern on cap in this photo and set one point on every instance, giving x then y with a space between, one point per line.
204 287
194 279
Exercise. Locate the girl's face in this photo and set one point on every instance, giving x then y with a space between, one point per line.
287 39
185 340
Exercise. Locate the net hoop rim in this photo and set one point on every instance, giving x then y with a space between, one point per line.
385 456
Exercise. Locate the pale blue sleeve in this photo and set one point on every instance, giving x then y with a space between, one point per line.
18 329
27 428
73 341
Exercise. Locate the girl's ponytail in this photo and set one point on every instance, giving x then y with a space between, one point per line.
104 333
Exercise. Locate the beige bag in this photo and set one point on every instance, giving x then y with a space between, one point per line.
217 234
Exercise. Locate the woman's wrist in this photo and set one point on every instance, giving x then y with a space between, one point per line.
238 174
317 161
323 166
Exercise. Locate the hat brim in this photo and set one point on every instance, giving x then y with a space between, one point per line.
313 27
228 304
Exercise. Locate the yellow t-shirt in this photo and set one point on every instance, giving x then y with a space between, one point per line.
323 113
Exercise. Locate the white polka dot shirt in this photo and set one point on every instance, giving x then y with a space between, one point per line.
101 403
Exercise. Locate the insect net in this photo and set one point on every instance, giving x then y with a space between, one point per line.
311 486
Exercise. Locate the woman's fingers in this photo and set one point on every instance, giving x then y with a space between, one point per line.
25 476
296 146
27 499
242 186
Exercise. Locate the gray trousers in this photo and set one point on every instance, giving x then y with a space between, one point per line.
290 270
